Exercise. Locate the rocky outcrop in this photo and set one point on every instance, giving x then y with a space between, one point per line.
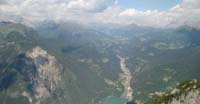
192 97
191 93
47 73
186 93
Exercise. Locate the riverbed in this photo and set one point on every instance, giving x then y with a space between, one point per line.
125 79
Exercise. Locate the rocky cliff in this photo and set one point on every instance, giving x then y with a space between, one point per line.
47 72
186 93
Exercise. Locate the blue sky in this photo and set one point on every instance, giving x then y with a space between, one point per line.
149 4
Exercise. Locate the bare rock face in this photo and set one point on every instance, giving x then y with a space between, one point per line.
187 92
47 73
193 97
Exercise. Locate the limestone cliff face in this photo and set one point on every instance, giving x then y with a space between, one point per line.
192 97
47 72
191 93
186 93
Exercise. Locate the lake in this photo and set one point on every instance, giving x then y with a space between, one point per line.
114 100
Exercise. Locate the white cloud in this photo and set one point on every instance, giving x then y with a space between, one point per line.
89 5
190 4
100 11
185 13
39 10
109 15
129 12
188 13
149 17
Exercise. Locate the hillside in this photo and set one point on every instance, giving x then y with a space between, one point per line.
15 40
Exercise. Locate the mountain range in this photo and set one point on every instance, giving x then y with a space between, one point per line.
71 63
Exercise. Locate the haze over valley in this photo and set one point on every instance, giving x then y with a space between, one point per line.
99 52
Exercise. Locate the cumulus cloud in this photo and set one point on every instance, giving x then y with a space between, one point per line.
40 10
99 11
190 4
129 12
185 13
89 5
188 13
